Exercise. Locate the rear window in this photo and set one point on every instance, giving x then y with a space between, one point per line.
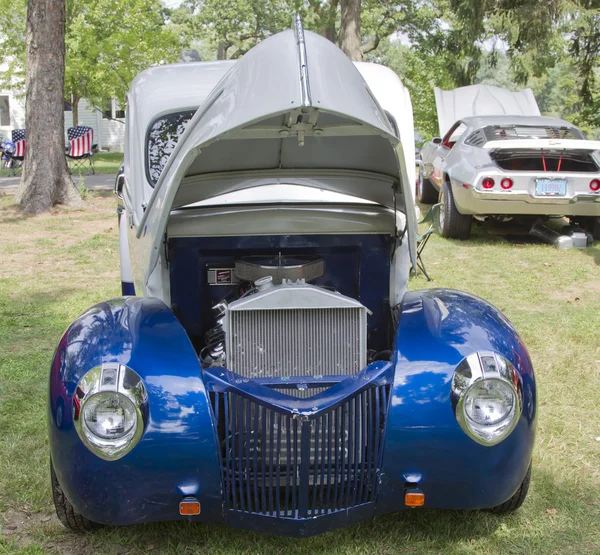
512 132
162 138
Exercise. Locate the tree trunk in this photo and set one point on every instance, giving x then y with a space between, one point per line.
75 109
350 29
46 180
222 51
329 26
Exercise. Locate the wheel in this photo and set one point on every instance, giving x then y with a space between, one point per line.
66 513
517 499
452 223
426 192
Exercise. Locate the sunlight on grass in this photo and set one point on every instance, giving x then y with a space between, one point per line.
55 266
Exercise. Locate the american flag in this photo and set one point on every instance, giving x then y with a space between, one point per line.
80 138
18 137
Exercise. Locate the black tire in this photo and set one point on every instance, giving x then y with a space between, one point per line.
426 192
66 513
451 222
517 499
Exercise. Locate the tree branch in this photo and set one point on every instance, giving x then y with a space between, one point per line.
370 45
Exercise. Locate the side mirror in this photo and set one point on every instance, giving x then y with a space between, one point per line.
436 140
120 183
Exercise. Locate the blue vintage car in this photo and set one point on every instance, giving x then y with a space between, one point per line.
266 366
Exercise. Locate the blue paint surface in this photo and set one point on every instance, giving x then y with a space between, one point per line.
178 448
438 328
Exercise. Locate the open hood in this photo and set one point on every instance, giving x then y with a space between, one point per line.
294 110
482 100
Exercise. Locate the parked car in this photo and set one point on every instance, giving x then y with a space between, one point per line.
507 165
269 368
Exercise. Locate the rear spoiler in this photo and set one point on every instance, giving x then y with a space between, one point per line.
543 144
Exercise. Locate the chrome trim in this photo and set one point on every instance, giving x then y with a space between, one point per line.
120 182
111 377
486 365
301 44
526 197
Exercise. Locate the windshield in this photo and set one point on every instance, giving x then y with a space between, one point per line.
163 134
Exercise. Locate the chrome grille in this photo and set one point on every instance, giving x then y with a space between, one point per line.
277 465
296 342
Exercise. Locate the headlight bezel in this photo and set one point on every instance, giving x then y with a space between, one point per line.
484 366
121 380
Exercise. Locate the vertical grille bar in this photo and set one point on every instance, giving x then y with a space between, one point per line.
315 459
295 466
330 417
278 467
304 476
247 433
324 419
263 460
350 457
288 474
358 438
240 450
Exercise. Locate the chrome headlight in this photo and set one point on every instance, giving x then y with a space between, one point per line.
110 410
487 397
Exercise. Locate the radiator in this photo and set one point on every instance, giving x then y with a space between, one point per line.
295 330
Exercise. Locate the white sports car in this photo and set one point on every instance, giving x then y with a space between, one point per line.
505 165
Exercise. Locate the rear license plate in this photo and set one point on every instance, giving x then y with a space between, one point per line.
551 187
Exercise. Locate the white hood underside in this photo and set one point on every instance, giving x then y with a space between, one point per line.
482 100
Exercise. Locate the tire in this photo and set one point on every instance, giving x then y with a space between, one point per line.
517 499
426 192
451 222
66 513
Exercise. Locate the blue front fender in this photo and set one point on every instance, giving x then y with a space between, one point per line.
424 443
178 452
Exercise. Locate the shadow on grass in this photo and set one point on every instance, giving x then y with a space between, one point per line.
541 525
594 252
12 213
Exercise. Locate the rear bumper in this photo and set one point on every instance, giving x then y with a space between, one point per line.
521 199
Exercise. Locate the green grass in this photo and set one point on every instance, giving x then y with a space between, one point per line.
108 162
55 266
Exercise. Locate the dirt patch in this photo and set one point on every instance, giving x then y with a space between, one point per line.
24 247
23 529
576 291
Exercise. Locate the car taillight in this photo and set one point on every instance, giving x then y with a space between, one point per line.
487 183
595 185
506 183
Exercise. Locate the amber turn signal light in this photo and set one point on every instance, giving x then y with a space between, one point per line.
189 507
414 498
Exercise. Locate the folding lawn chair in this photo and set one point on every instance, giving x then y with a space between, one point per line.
423 238
15 159
81 149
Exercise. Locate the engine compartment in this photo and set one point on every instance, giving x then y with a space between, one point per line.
304 305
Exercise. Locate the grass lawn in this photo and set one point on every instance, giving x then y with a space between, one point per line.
108 162
54 266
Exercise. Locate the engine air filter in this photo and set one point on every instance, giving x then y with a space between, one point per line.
251 268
